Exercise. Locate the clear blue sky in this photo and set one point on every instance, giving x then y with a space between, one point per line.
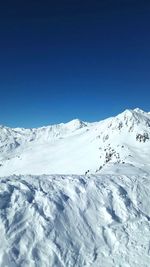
65 59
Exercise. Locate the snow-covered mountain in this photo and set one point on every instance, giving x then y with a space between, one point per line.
95 213
77 147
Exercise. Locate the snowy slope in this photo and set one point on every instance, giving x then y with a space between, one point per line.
75 221
76 147
98 217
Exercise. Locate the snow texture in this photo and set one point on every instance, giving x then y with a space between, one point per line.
76 194
100 220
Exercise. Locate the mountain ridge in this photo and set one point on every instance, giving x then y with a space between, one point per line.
78 120
76 147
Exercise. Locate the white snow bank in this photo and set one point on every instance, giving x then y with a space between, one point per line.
75 221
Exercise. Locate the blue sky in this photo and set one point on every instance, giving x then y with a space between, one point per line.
69 59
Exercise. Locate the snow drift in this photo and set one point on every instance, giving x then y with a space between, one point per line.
57 221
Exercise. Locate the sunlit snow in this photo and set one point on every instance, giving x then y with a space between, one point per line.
76 194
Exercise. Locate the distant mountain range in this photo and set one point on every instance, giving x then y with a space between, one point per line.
78 147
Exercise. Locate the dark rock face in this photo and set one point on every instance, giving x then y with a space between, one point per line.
142 137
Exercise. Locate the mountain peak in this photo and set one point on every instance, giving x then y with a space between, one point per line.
132 111
131 119
75 124
136 113
139 110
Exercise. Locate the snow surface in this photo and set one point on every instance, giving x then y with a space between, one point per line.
100 220
76 194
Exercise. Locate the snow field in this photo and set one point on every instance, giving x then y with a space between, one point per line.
100 220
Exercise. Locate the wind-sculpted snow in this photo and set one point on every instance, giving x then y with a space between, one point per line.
75 221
